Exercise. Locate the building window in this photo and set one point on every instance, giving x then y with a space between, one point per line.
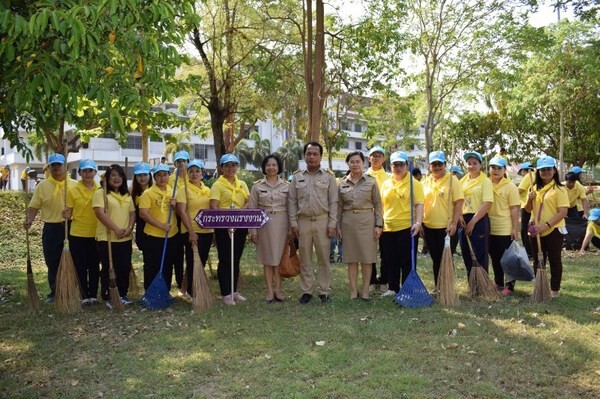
358 145
201 151
357 127
248 130
133 142
344 125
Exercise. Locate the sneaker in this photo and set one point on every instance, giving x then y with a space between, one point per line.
85 302
49 300
126 301
383 288
506 291
238 297
325 298
331 259
228 300
554 294
93 301
305 298
108 304
389 293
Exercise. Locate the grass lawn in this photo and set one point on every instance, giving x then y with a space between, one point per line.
345 349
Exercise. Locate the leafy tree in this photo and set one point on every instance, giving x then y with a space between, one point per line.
254 155
291 153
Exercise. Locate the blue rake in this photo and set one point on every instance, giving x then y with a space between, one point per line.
157 295
413 293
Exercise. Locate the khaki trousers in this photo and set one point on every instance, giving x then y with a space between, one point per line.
314 233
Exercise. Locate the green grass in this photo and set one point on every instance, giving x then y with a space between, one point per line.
511 348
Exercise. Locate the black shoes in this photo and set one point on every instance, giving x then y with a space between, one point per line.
325 298
305 298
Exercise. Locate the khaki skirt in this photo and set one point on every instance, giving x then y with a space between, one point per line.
272 237
358 242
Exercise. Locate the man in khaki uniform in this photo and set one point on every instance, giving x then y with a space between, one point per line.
312 208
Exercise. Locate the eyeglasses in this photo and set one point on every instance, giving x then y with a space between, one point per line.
398 164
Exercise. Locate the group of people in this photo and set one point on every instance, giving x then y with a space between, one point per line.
369 211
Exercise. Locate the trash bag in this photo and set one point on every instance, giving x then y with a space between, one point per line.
575 233
515 263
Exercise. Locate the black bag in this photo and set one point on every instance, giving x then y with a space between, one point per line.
515 263
575 233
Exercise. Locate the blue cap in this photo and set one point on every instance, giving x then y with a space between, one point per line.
399 156
56 158
141 168
456 169
87 164
526 166
473 154
181 156
594 214
197 163
437 156
498 161
161 167
376 149
546 162
228 158
576 170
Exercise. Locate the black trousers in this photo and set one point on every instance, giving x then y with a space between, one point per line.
203 248
499 244
121 256
87 264
596 242
397 251
479 241
552 250
224 251
434 238
525 217
153 254
53 236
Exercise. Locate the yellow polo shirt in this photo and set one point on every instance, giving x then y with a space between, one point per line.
555 197
197 198
593 228
79 197
180 182
476 192
395 196
226 193
380 175
506 195
119 208
524 185
437 210
49 198
158 201
575 194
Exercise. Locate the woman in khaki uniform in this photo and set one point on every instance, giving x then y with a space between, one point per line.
271 194
360 222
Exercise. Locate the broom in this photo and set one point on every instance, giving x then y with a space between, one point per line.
413 293
157 295
447 295
33 299
479 280
134 286
541 288
202 298
184 283
68 293
113 291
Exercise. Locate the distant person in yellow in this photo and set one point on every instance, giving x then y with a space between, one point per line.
180 159
475 222
24 179
592 233
5 177
526 171
577 197
49 198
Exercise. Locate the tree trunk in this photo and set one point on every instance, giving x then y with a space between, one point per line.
217 120
318 74
144 131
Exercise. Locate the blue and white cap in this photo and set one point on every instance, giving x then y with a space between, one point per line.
197 163
399 156
546 162
161 167
498 161
56 158
141 168
473 154
437 156
376 149
87 164
594 214
576 170
181 156
457 170
228 158
526 166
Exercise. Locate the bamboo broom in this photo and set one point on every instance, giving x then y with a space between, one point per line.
479 280
68 293
134 286
113 291
447 295
541 288
202 298
33 299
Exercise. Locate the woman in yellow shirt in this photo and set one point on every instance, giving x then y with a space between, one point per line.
82 235
440 217
117 218
504 220
474 222
397 227
226 193
548 204
592 233
142 180
189 202
155 205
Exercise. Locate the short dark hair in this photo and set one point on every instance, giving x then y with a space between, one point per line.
571 177
314 144
276 158
359 153
417 172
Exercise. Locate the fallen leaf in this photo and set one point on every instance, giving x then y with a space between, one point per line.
541 325
450 346
267 356
471 352
461 325
74 382
320 343
453 332
598 372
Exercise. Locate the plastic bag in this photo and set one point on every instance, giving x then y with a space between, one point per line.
515 263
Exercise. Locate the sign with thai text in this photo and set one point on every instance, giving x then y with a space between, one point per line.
231 218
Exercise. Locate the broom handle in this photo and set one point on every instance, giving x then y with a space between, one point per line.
108 235
473 258
26 193
66 180
412 217
450 205
162 259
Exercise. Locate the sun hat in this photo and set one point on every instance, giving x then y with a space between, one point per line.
399 156
56 158
437 156
197 163
141 168
228 158
546 162
376 149
473 154
87 164
498 161
594 214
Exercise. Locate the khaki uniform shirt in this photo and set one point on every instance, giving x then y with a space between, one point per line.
313 195
361 196
268 197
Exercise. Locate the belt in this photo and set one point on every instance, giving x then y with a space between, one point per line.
313 218
359 210
275 212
